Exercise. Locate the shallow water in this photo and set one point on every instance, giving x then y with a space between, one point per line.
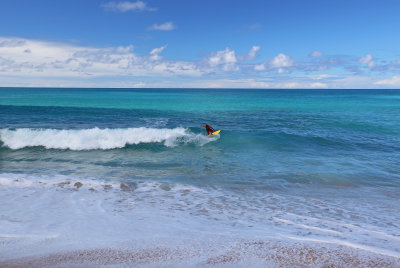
320 165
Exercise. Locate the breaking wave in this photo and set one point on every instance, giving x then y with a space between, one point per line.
96 138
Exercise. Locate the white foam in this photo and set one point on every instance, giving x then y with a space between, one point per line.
50 213
30 181
386 252
96 138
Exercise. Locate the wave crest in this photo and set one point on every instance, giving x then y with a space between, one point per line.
96 138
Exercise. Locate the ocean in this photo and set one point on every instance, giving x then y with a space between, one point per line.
119 168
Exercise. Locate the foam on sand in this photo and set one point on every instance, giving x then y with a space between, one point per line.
250 253
96 138
68 213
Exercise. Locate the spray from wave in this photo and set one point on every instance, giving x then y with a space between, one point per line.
96 138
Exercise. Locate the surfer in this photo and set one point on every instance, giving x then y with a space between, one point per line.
209 129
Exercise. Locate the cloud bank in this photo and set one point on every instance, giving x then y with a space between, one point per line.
26 62
393 81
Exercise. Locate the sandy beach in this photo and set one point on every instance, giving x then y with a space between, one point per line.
241 254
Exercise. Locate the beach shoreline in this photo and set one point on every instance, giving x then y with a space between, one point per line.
254 253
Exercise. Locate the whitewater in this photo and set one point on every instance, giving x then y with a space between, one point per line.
95 138
296 178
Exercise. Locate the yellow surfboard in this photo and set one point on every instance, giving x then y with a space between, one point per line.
214 133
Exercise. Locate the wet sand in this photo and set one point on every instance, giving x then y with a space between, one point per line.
242 254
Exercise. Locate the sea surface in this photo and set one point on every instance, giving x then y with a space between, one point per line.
87 168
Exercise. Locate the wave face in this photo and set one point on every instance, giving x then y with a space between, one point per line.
96 138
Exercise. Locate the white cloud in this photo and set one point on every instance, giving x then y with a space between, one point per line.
300 84
367 60
318 85
281 62
127 6
260 67
353 81
25 62
233 83
12 42
282 71
51 60
168 26
316 54
226 58
241 83
322 76
154 54
228 61
252 53
48 59
254 83
394 81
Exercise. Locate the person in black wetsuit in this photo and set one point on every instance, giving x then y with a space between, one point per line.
209 129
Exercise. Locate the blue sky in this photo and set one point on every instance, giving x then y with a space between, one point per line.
244 44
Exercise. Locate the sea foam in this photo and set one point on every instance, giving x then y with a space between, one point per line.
96 138
77 213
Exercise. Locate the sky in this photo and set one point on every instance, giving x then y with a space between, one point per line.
200 44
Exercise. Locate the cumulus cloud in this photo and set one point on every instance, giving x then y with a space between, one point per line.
154 54
367 60
25 62
24 57
226 58
168 26
252 53
281 62
48 59
394 81
127 6
260 67
315 54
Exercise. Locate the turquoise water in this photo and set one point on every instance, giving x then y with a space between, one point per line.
317 158
348 135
